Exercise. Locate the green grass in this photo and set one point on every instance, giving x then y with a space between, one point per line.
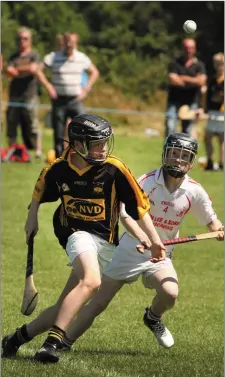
117 345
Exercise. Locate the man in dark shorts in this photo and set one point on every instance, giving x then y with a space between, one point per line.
23 91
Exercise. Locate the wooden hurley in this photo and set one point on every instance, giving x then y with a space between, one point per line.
30 295
174 241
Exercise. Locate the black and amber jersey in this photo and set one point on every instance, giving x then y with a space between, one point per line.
90 198
215 94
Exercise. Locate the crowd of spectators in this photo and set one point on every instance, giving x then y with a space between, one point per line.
188 81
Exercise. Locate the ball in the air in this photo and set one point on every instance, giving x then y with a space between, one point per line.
189 26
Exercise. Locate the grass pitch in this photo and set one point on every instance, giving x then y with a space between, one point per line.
117 345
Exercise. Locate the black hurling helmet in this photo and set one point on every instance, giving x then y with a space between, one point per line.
87 129
183 142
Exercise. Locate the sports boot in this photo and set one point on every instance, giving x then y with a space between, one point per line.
47 354
162 334
9 348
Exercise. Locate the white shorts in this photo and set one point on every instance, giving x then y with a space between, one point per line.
215 122
128 264
81 242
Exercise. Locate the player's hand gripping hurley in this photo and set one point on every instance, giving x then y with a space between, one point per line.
198 237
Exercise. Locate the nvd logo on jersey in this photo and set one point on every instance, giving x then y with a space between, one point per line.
89 209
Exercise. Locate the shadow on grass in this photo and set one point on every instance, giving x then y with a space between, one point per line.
84 352
114 352
19 357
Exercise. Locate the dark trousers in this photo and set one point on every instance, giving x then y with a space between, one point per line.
172 118
63 107
27 118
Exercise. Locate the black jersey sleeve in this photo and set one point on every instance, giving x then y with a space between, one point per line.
46 189
128 190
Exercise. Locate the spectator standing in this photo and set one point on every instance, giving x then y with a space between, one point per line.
23 89
186 77
59 42
65 90
215 110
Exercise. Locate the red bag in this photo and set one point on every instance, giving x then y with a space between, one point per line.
15 153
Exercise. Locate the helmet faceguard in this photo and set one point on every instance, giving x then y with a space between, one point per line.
179 154
91 131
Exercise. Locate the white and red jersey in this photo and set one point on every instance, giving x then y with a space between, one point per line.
169 209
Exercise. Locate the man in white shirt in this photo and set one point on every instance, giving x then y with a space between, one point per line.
172 194
65 90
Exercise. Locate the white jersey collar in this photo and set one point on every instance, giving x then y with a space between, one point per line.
160 179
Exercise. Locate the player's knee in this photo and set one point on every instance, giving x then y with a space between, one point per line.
91 283
169 295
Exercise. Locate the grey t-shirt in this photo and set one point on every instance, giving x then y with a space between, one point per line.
24 87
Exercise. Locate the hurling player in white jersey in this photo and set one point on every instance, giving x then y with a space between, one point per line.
172 194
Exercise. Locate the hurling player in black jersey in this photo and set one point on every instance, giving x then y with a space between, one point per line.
91 184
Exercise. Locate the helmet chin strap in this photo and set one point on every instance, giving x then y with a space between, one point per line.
174 171
90 160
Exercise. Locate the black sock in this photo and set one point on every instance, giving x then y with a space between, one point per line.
67 341
21 336
210 163
152 316
55 336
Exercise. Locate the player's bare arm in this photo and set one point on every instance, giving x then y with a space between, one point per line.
199 80
175 79
44 81
12 71
28 68
31 225
133 228
94 74
215 226
157 247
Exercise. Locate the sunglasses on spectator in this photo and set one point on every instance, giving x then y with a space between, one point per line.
23 38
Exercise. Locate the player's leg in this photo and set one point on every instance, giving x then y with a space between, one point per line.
35 127
105 254
221 150
58 121
40 324
74 108
188 126
99 302
123 267
209 149
85 263
171 119
66 137
165 282
26 121
12 120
